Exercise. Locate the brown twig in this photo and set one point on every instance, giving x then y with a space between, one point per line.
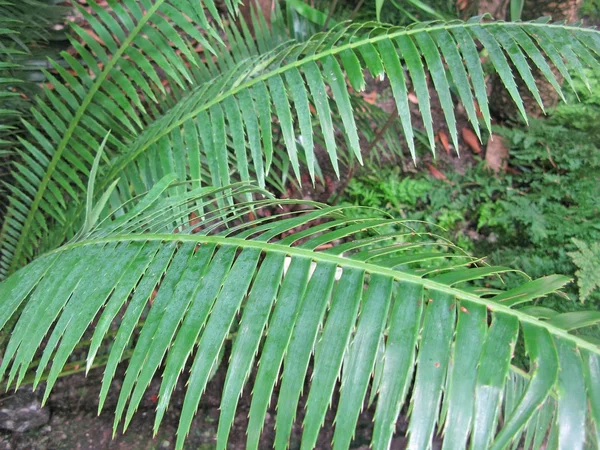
355 11
383 129
329 14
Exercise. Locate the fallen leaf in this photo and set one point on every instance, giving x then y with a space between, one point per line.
471 140
496 153
443 139
435 173
370 97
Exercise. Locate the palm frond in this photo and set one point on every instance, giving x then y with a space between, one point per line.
183 127
100 92
24 42
298 282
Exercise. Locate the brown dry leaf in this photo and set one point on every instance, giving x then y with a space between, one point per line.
195 220
462 4
371 97
471 140
413 98
496 153
94 36
443 139
435 173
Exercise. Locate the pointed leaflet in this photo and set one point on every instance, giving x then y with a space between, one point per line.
571 50
493 370
174 313
40 312
335 79
132 315
236 130
521 38
398 361
81 309
438 74
330 352
432 363
298 92
263 106
572 401
471 57
395 72
277 341
282 108
124 287
518 59
456 67
300 348
499 62
412 58
144 342
254 319
372 59
220 321
360 360
458 401
321 102
252 130
210 281
544 362
531 290
353 70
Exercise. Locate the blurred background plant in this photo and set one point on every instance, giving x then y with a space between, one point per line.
31 31
539 216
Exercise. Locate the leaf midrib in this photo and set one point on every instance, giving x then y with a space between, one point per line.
342 262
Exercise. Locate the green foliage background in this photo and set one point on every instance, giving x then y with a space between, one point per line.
527 218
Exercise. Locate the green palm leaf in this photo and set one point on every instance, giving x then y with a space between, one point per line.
182 129
269 285
104 94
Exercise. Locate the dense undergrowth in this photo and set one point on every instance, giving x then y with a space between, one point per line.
541 216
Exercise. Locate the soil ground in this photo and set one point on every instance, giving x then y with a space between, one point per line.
74 424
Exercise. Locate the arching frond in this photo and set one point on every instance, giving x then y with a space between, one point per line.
25 31
287 282
102 90
185 126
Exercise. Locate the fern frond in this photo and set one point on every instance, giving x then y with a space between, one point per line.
190 129
437 326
